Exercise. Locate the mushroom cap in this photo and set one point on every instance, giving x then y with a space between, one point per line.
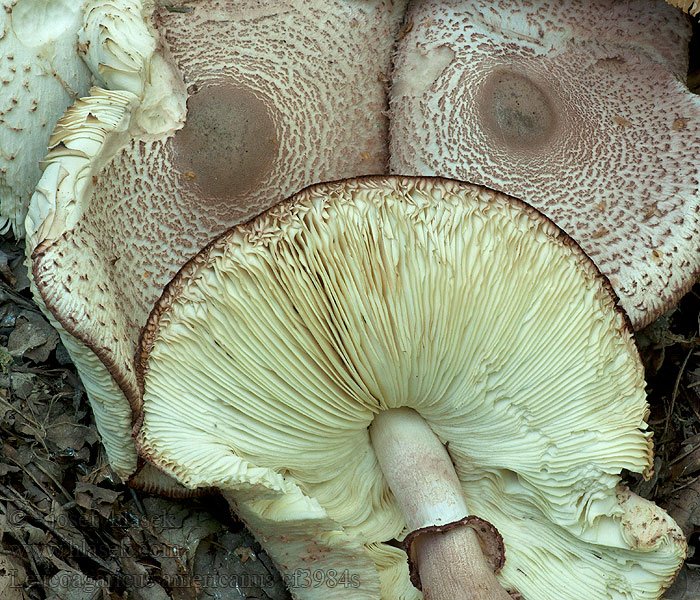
78 142
579 107
240 106
268 355
41 75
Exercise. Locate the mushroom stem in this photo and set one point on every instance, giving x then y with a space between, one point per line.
422 477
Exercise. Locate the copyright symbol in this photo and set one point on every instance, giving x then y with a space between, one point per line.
16 517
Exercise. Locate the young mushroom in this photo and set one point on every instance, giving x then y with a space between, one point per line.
394 359
41 75
580 107
223 110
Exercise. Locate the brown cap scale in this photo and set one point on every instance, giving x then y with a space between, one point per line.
390 355
217 111
581 108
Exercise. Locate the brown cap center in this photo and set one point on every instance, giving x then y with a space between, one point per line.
516 112
229 141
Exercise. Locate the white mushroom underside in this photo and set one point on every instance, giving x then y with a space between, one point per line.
447 299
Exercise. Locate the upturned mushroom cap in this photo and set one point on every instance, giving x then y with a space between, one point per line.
579 107
78 143
40 75
231 106
270 353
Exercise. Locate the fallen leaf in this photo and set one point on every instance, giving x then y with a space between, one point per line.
96 498
684 506
33 338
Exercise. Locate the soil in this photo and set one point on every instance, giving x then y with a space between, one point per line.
70 531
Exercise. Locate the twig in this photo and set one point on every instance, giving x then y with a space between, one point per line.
40 432
45 472
21 414
676 385
137 502
38 371
17 499
680 457
17 298
685 485
32 476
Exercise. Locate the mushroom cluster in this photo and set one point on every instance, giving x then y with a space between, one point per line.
389 359
212 117
383 367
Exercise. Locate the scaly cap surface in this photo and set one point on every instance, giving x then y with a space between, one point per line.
240 106
580 107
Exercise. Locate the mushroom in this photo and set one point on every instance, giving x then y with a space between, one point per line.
580 107
40 75
417 359
227 108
